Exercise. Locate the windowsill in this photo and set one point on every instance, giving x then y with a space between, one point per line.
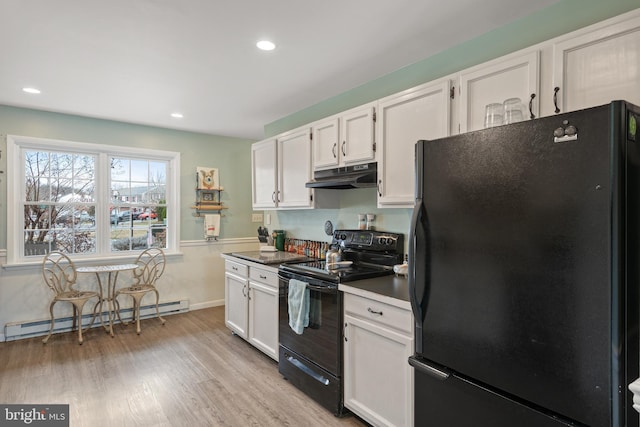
119 259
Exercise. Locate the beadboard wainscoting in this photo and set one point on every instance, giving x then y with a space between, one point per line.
193 280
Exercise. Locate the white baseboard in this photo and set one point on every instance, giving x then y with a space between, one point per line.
28 329
208 304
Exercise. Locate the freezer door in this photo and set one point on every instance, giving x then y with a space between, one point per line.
518 277
460 403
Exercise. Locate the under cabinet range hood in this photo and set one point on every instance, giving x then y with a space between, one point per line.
357 176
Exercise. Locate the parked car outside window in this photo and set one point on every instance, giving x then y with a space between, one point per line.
147 215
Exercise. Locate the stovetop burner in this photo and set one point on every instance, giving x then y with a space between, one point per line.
318 270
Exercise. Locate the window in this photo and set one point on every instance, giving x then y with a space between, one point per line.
89 200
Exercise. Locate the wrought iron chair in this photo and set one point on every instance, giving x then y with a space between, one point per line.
151 264
59 274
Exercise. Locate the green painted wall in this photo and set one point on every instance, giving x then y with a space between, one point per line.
232 156
561 18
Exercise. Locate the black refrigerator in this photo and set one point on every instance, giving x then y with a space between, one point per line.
523 273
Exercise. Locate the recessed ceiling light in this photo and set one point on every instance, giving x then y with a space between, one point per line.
30 90
177 115
265 45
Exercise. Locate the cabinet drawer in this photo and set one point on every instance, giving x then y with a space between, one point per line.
264 276
236 268
378 312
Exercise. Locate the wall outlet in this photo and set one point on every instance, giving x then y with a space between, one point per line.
256 217
267 219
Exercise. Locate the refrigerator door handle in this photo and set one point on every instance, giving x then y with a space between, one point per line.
430 369
412 279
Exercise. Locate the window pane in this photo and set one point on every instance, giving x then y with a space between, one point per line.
139 171
62 165
73 240
158 236
138 189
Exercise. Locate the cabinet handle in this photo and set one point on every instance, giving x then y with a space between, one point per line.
344 143
379 185
333 150
249 293
263 277
244 288
531 115
345 332
278 198
555 98
234 268
273 197
379 313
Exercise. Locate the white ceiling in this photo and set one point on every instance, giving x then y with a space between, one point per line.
140 60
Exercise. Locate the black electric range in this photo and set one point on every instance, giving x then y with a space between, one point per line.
311 357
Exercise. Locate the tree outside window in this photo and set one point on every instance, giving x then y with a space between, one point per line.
59 203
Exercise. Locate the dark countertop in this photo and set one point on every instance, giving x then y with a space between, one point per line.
391 289
278 257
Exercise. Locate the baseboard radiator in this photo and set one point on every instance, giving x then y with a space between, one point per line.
20 330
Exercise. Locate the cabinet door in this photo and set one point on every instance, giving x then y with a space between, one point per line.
326 143
598 67
378 381
263 174
357 135
403 119
294 169
263 318
236 304
513 77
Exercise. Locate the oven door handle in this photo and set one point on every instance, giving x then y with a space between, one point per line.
328 288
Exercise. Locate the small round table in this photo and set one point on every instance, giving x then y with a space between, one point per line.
112 277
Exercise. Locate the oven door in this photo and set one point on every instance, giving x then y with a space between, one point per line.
320 342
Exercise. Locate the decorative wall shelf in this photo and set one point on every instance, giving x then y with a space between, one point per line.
208 201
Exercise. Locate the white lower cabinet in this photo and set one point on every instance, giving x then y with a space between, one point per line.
251 305
263 310
378 381
236 305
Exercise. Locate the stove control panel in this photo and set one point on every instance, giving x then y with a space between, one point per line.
368 240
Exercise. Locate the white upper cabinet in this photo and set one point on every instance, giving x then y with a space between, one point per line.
357 144
345 139
280 168
326 143
513 76
597 67
294 168
404 118
263 174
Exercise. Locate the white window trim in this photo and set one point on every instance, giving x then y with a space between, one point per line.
15 185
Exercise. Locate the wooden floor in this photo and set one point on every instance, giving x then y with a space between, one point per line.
190 372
